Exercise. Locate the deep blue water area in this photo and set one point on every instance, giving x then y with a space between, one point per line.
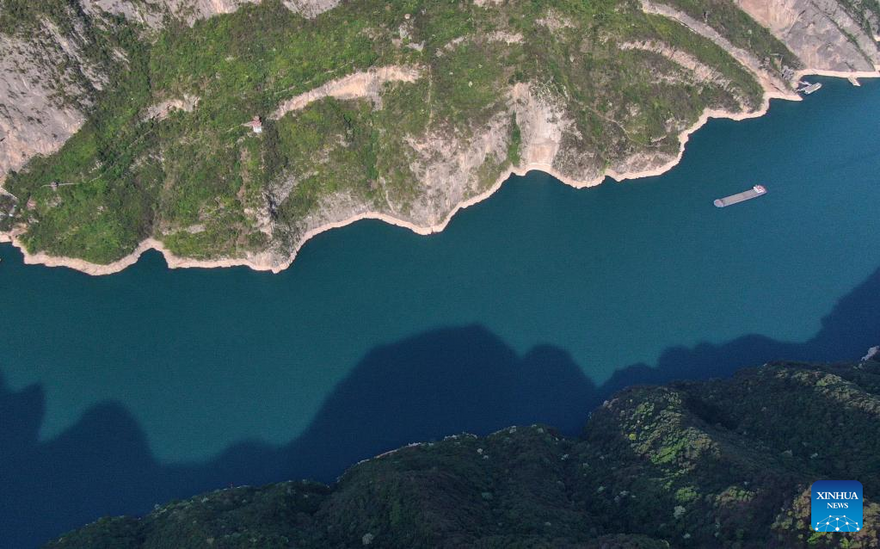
124 391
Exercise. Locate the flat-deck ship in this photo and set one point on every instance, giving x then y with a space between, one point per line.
754 192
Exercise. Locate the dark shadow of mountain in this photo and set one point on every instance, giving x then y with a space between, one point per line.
424 387
847 331
436 384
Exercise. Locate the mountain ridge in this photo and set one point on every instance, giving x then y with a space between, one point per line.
565 89
688 464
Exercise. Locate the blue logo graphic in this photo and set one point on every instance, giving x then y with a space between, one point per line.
836 506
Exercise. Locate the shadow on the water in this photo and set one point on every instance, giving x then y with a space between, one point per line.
424 387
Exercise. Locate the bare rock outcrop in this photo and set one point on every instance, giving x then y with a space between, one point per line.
163 110
146 14
36 113
360 85
542 121
152 12
192 10
310 8
46 83
447 168
820 32
746 58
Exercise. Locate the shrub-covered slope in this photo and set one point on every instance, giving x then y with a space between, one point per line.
403 108
723 463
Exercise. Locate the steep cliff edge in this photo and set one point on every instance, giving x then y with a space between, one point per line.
157 13
723 463
825 34
612 88
48 81
45 50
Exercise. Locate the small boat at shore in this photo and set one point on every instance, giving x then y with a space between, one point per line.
754 192
808 89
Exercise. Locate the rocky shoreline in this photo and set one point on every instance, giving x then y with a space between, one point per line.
268 261
445 169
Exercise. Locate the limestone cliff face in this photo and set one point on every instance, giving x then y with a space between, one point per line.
207 8
508 116
821 32
47 83
33 118
152 12
146 14
36 74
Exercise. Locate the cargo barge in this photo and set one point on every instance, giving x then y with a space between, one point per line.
754 192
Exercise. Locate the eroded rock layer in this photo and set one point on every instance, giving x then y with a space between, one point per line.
230 131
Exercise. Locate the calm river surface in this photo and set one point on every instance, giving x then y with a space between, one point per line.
141 382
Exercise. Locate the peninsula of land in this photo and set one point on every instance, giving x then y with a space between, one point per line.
229 133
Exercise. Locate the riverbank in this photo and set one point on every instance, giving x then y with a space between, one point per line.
519 472
267 261
552 296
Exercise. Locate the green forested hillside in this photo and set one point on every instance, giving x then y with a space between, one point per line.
208 187
723 463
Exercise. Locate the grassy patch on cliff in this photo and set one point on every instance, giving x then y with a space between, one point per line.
734 24
205 184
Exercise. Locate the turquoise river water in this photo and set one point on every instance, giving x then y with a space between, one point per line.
119 392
